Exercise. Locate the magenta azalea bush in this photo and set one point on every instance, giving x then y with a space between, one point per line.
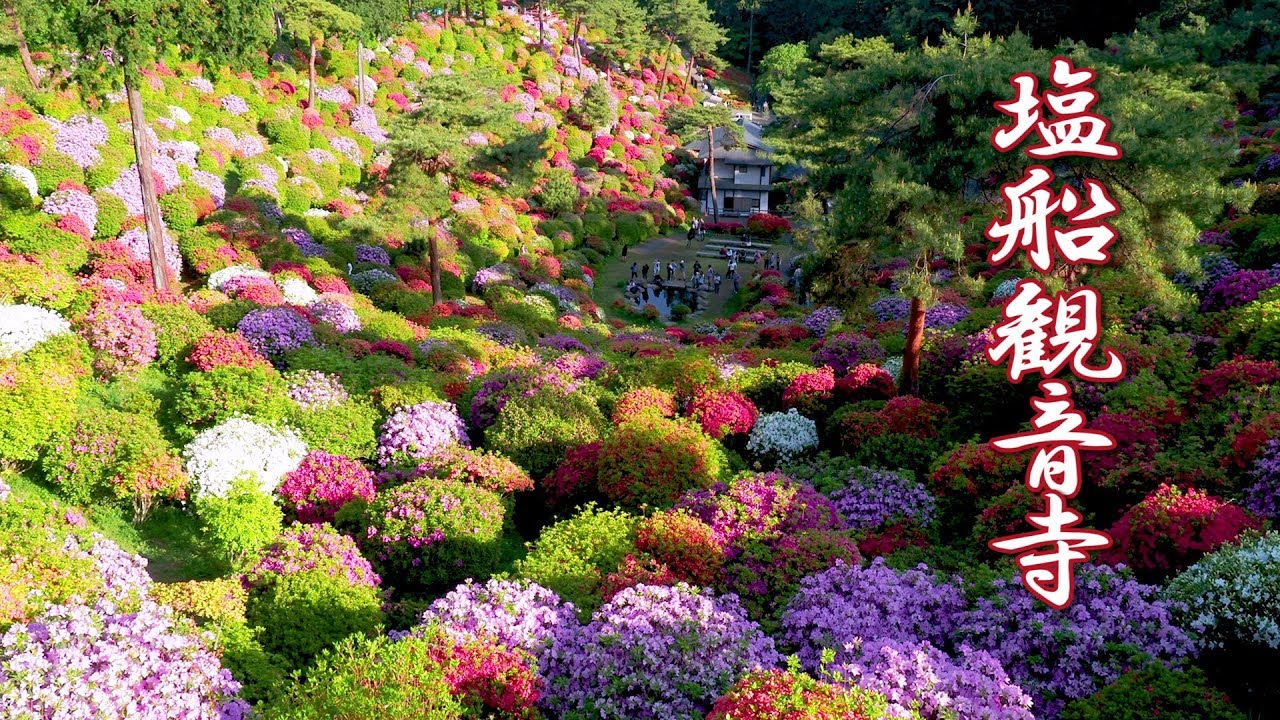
322 483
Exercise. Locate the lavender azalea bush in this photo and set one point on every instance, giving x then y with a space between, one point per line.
420 431
835 608
518 614
873 497
272 331
1058 656
656 652
82 662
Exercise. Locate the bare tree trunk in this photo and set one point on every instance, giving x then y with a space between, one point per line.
433 253
751 38
909 383
447 4
150 205
684 87
25 52
311 77
360 70
666 63
711 172
540 24
577 47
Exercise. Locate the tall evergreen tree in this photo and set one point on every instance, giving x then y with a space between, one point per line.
311 21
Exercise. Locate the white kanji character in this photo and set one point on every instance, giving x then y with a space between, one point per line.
1057 422
1024 339
1073 130
1024 109
1047 573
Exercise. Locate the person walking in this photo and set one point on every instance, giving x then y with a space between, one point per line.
682 270
693 233
737 285
635 273
657 268
624 250
697 266
644 272
718 281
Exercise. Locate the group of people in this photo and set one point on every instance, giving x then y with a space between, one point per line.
771 260
697 231
702 278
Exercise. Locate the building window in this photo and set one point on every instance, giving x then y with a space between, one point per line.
728 201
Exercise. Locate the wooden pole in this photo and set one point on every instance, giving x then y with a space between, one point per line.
150 205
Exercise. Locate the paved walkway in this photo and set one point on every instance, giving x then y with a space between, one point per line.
674 248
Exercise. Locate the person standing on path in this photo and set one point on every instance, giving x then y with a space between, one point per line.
697 266
634 271
682 270
717 283
644 271
736 283
671 270
657 268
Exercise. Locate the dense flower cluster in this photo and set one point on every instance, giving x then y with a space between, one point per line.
835 608
891 308
1263 496
313 389
1060 655
765 506
782 436
847 350
304 548
322 483
920 677
272 331
1228 598
682 646
722 413
421 431
79 661
944 315
874 497
239 447
335 314
1172 528
22 327
223 349
823 319
519 614
123 338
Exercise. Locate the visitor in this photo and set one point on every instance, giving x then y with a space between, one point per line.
737 285
644 272
657 268
702 230
719 280
795 278
682 270
671 271
693 232
634 270
697 266
624 250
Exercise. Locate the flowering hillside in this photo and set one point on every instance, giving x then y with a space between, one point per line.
299 485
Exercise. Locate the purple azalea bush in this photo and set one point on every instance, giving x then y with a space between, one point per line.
655 652
760 506
823 319
847 350
1058 656
1239 288
1263 496
272 331
874 497
891 308
518 614
920 677
834 608
81 661
303 548
313 389
372 254
420 431
944 316
339 316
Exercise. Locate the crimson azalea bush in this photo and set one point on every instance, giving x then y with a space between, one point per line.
322 484
1173 528
722 412
686 545
790 695
640 400
651 460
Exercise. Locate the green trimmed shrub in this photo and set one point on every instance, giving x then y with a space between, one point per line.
236 529
536 431
573 556
651 461
303 613
348 428
178 326
41 401
1155 692
207 398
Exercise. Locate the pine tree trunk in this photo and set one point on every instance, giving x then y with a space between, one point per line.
711 173
360 70
150 205
666 63
25 52
447 3
751 39
684 87
311 78
577 47
437 296
540 24
909 383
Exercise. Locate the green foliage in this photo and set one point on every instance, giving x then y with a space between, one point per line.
372 679
301 614
207 398
34 233
348 429
598 107
559 192
32 535
236 528
111 215
650 461
1155 691
40 402
52 168
536 431
178 326
573 556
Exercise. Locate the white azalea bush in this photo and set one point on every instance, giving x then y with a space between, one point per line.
782 436
296 291
22 327
219 279
239 446
1232 596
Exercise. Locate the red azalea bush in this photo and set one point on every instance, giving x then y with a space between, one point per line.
809 392
643 400
722 413
1232 376
636 571
652 460
780 336
866 382
890 539
224 349
322 484
490 679
684 544
575 478
790 695
1123 475
1172 528
1249 441
767 225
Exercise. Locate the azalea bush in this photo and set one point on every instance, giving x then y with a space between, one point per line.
651 460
